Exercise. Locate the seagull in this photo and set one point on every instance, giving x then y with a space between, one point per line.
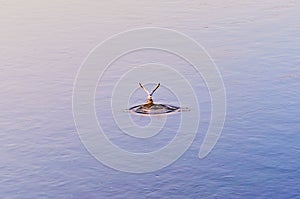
149 102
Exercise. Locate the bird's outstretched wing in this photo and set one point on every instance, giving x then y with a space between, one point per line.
155 89
148 93
144 89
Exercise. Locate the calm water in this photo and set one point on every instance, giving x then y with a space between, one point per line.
256 46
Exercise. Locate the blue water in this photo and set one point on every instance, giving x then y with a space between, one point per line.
256 46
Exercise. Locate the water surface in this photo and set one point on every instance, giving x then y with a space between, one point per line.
256 46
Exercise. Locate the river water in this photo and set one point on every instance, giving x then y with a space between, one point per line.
255 45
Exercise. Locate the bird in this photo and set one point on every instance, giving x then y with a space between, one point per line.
149 101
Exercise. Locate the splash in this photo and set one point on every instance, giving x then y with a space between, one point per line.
150 108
